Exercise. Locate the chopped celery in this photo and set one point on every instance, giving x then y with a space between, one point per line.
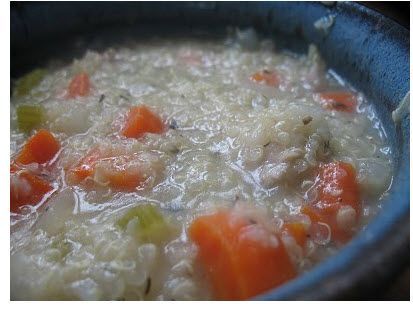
63 246
29 117
147 223
25 84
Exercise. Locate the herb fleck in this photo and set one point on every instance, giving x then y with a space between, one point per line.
173 124
124 97
307 120
148 285
339 105
174 149
326 146
102 97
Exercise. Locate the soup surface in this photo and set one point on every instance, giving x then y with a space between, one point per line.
186 169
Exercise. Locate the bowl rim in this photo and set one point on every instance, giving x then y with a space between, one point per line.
335 277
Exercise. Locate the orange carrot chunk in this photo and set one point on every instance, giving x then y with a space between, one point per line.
79 86
26 189
241 258
85 167
297 231
338 200
118 174
339 100
113 171
121 178
141 120
269 78
40 148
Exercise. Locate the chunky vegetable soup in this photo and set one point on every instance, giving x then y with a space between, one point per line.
186 170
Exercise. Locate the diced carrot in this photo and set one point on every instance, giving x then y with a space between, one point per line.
297 231
241 259
337 185
336 188
40 148
85 167
112 170
79 85
120 176
26 189
141 120
339 100
269 78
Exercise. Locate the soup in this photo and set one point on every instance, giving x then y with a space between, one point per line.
187 170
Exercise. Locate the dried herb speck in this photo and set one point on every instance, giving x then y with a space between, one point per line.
148 285
339 105
307 120
174 150
102 97
173 124
326 146
125 98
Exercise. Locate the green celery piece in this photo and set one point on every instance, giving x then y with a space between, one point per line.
29 117
25 84
150 226
61 244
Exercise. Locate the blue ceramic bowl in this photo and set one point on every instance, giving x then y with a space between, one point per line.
367 49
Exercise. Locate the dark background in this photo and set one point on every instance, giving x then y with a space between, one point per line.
397 10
